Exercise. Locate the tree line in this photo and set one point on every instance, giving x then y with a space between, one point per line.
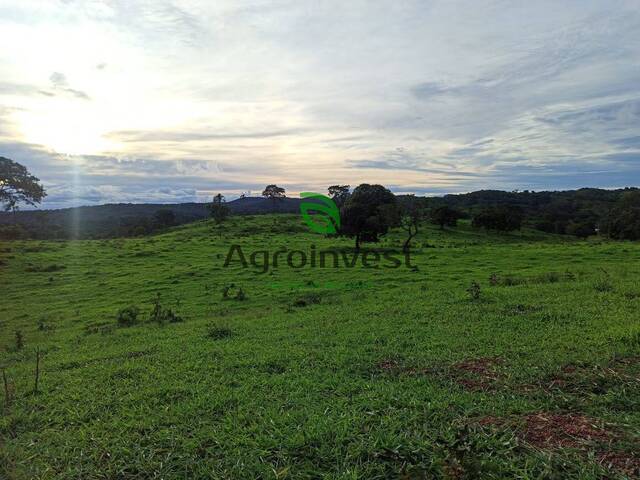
369 211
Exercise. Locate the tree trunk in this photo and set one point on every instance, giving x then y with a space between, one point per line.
357 242
407 242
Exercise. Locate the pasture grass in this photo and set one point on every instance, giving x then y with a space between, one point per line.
492 356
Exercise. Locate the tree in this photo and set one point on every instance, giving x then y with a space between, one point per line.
218 209
581 229
410 217
275 193
17 185
164 218
444 216
339 194
368 213
502 219
623 221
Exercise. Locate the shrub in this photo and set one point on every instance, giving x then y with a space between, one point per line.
218 332
161 315
128 316
474 290
549 277
234 292
603 285
309 299
19 340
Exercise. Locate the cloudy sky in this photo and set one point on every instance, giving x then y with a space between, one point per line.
175 100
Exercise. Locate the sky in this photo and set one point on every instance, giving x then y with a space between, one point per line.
176 100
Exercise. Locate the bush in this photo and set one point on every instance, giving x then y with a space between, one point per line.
162 315
218 332
603 285
549 277
128 316
309 299
19 340
474 290
234 292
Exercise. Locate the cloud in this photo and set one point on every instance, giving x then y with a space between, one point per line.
433 96
177 136
60 84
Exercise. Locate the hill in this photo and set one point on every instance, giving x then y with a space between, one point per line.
551 212
124 219
495 356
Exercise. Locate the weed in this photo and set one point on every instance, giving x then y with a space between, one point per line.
306 300
233 292
603 285
162 315
474 291
216 331
43 326
19 337
128 316
548 277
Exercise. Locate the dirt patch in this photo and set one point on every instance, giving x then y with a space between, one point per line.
625 463
478 374
389 365
580 379
553 430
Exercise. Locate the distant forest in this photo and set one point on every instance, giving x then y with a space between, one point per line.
580 212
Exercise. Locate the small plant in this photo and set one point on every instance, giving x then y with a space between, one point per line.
494 280
128 316
548 277
19 340
217 331
603 285
474 290
308 299
233 292
162 315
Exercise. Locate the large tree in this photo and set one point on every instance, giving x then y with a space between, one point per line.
275 193
444 216
219 211
164 218
623 221
17 185
339 194
368 213
504 218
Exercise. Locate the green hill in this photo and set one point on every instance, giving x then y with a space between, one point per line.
493 356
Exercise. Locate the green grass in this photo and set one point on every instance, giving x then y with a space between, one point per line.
334 373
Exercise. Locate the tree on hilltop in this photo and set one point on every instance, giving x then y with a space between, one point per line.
17 185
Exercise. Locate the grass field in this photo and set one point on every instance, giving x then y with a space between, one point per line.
321 372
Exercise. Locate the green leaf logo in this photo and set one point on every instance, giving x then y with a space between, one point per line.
327 216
